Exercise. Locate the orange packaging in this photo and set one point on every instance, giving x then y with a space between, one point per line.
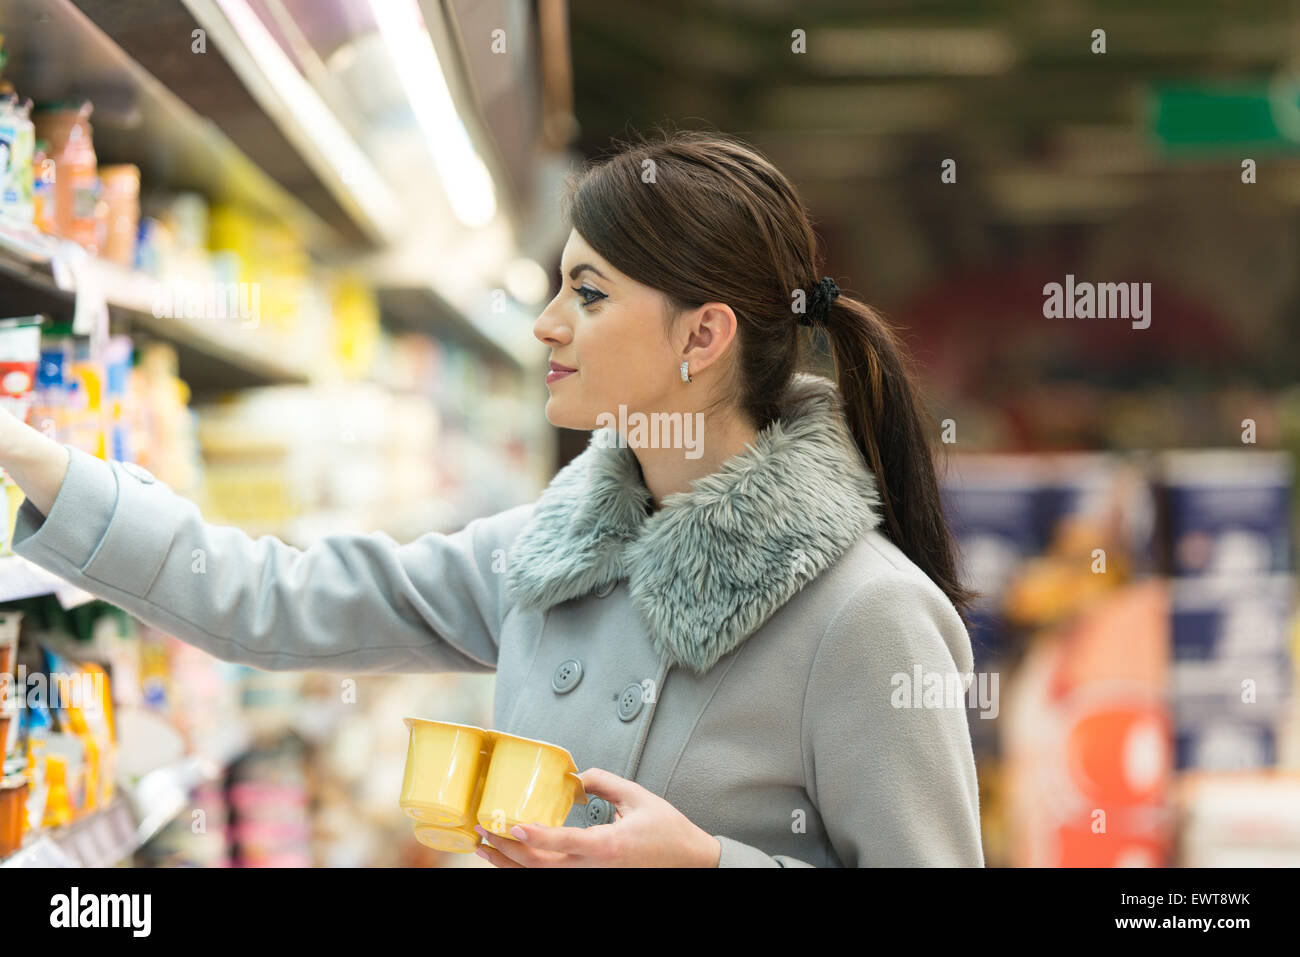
121 192
76 186
1087 738
44 176
13 813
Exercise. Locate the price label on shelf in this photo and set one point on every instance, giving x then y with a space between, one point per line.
74 272
42 852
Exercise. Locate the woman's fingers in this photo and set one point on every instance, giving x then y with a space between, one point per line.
493 856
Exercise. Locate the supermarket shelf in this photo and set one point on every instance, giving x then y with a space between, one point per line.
20 578
99 840
56 51
209 354
157 106
34 280
263 359
109 836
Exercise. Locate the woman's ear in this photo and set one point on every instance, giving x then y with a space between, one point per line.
710 331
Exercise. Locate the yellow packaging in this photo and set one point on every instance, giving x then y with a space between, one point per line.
58 806
457 775
14 499
93 722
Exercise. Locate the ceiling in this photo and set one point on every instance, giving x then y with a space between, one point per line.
1055 145
887 89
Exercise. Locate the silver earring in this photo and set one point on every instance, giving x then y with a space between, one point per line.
686 371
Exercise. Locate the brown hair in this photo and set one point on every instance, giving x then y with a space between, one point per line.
703 217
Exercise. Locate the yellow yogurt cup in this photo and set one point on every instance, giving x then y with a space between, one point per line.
528 782
444 767
457 840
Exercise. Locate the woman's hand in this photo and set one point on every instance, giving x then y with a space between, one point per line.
646 831
36 462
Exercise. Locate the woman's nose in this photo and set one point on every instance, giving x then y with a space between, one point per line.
550 328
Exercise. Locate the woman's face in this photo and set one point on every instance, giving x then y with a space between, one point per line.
608 329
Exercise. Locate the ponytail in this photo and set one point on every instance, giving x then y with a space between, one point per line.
882 406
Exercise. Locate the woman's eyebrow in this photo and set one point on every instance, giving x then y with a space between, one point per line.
574 272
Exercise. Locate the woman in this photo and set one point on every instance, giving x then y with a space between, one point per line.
715 625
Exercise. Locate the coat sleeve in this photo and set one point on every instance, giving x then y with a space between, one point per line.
894 782
358 603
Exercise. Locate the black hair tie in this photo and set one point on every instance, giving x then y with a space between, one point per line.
823 294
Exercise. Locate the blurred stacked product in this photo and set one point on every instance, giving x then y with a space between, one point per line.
323 762
1226 518
1229 552
496 447
121 197
59 734
20 352
1087 762
264 257
44 201
17 149
357 336
161 427
1239 820
303 461
223 268
1139 609
197 839
64 386
50 177
197 695
270 814
106 718
16 787
79 213
361 763
1028 528
292 460
1053 542
84 392
98 401
993 506
81 394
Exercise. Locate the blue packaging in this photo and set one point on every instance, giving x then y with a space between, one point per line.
1226 745
993 506
1109 490
1226 512
1231 617
1245 689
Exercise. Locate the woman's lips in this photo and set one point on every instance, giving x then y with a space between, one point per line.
558 372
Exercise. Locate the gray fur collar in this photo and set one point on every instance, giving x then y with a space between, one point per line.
713 564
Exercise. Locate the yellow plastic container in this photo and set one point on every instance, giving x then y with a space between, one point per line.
458 775
58 807
456 840
444 765
528 781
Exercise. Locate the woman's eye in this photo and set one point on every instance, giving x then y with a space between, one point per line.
585 291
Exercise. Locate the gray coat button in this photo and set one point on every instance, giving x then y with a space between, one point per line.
138 471
567 675
604 590
599 811
629 702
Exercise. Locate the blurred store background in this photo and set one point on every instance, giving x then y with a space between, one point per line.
287 254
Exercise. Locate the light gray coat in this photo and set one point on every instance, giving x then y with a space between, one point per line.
741 652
